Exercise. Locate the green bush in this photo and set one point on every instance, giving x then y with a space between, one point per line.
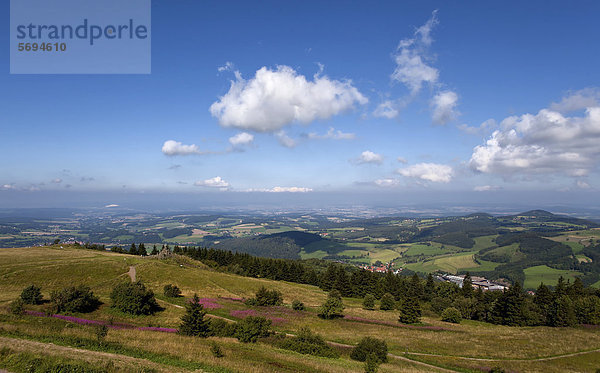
370 346
134 298
193 322
101 332
216 350
266 297
333 306
387 302
17 307
32 295
369 302
452 315
308 343
297 305
75 299
222 328
251 328
171 291
371 364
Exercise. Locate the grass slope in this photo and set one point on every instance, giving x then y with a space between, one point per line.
453 347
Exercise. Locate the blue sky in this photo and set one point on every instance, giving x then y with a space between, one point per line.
416 97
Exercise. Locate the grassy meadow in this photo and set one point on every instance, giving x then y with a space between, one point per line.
432 346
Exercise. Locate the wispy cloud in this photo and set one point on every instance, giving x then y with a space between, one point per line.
332 134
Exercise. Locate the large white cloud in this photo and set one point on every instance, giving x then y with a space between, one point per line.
444 107
215 182
275 98
172 147
545 143
369 157
437 173
411 66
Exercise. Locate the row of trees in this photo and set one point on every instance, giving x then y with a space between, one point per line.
568 304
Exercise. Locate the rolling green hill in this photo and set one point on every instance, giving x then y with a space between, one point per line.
422 348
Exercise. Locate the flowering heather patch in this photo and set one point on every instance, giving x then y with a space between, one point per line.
395 325
209 303
277 320
233 299
80 321
242 314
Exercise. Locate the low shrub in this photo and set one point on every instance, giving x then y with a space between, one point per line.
222 328
17 307
251 328
369 302
452 315
297 305
308 343
266 297
32 295
171 291
370 346
134 298
216 351
333 306
387 302
75 299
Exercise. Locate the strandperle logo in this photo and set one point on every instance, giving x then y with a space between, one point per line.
86 31
80 36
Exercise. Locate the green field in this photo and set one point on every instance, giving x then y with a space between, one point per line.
484 242
549 276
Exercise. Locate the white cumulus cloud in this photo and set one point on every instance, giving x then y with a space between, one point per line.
437 173
242 138
172 147
369 157
544 143
444 107
215 182
275 98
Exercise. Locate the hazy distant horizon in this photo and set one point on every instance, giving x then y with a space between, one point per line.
382 204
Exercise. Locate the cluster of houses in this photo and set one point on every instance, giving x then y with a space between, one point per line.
384 268
476 281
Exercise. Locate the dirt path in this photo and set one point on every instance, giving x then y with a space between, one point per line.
93 357
131 273
507 360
